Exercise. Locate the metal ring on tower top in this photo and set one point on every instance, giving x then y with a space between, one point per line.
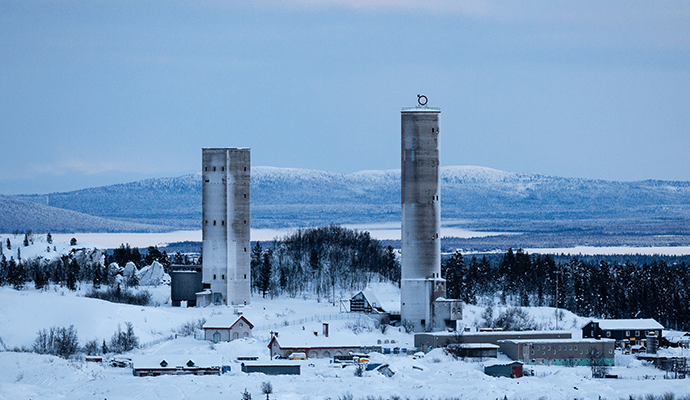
422 100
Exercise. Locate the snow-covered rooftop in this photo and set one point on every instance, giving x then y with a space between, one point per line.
630 324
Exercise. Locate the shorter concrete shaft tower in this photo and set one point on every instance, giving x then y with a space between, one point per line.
421 216
226 234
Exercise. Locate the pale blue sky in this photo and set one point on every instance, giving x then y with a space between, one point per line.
99 92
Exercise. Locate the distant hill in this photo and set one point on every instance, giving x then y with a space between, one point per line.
25 215
483 198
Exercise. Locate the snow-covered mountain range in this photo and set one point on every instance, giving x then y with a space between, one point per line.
284 197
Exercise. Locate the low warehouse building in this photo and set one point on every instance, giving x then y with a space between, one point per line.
473 350
560 351
430 340
274 368
177 365
313 344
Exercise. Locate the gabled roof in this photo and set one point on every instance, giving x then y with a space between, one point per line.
223 321
627 324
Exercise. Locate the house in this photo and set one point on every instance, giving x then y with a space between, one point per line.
632 330
156 365
366 302
502 368
314 345
559 351
223 328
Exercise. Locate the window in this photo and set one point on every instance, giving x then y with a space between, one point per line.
222 222
214 222
571 347
627 333
223 276
575 347
205 168
591 333
637 333
610 351
222 168
532 352
245 276
206 180
214 277
214 168
608 333
549 348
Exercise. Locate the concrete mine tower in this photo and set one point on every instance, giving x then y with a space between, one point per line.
226 236
421 283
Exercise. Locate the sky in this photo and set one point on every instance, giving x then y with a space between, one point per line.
100 92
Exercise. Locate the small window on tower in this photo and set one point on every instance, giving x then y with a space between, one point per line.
214 168
245 195
206 180
214 222
245 276
206 222
205 168
245 168
214 277
245 249
245 222
222 223
223 276
222 168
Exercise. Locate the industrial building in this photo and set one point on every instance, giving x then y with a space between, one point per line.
225 226
421 281
560 351
185 283
443 339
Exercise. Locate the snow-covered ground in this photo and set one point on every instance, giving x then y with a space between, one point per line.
27 375
435 376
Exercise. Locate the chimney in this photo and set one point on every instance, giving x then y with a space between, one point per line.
325 329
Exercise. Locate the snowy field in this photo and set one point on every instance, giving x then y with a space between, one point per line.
435 376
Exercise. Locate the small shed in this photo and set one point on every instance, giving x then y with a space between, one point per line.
222 328
508 369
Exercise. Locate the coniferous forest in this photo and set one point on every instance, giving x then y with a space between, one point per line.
589 288
326 261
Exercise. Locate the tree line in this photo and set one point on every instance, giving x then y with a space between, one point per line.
321 261
598 289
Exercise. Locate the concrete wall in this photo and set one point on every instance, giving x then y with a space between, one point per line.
226 234
421 216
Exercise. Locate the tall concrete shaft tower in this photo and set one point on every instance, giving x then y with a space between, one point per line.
421 216
226 235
